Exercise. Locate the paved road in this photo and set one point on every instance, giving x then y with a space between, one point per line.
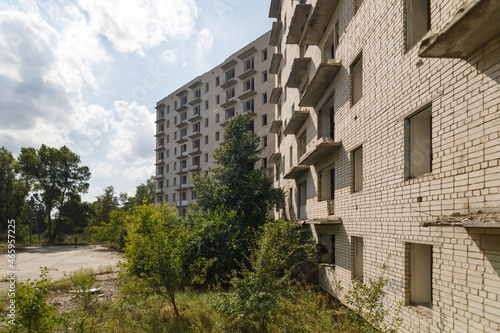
58 260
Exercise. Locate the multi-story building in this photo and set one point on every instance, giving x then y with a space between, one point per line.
388 147
190 121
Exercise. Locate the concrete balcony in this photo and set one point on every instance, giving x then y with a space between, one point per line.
182 171
160 190
228 64
471 27
160 147
182 203
320 18
275 63
232 101
160 133
195 101
296 171
323 148
275 33
275 126
182 155
195 85
195 151
247 53
195 117
160 162
182 139
274 9
320 82
196 167
183 187
228 83
183 123
247 94
298 23
181 93
275 158
298 118
160 119
182 107
249 73
275 95
299 70
195 135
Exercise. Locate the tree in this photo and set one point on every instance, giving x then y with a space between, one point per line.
155 250
236 184
145 193
104 206
13 189
57 174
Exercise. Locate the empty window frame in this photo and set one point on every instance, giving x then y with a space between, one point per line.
248 106
418 137
264 119
357 80
264 55
301 144
249 64
357 257
420 274
249 85
230 74
357 165
302 188
264 98
418 20
230 94
326 180
217 81
216 136
264 76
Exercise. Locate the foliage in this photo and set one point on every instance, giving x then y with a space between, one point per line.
155 251
281 250
102 208
144 195
236 184
57 174
367 300
33 313
112 233
83 281
219 236
13 189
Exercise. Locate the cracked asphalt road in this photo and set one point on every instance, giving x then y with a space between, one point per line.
58 259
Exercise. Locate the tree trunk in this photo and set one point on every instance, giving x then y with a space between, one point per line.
49 223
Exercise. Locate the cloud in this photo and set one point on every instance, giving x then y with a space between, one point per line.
137 25
170 55
139 175
204 44
102 170
133 134
93 121
42 72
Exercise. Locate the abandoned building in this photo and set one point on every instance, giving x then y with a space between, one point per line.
387 124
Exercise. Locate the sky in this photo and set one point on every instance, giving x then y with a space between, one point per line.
88 73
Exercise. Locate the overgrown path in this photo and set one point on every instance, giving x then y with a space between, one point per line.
58 259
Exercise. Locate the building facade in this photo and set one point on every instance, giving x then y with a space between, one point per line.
387 132
190 121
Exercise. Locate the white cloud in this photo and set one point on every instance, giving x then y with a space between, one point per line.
102 170
170 55
93 121
204 44
138 25
133 134
42 71
139 175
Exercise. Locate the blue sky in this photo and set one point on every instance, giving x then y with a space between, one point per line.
88 73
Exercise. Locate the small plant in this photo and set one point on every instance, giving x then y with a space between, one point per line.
83 282
33 312
367 302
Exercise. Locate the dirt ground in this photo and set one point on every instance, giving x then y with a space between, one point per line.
59 260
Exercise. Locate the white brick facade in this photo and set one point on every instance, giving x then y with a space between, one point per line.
386 206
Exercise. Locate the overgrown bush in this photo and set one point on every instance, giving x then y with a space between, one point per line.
155 250
83 282
33 313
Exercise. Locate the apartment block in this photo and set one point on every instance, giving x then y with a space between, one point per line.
190 121
387 125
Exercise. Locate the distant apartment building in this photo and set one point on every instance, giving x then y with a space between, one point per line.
190 121
387 132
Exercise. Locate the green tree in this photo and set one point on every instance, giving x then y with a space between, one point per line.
155 250
145 193
57 174
236 184
103 207
13 189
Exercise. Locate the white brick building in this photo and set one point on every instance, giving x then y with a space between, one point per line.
388 147
190 121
